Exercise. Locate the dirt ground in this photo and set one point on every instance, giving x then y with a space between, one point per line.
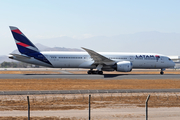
124 113
36 118
126 106
80 101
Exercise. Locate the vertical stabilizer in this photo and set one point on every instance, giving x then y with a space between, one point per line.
26 47
23 43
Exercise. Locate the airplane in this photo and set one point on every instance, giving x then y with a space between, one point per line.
101 61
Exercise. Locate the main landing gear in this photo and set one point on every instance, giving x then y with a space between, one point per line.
162 71
98 71
95 72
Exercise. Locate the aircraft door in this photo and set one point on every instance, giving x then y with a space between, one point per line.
85 58
162 60
131 58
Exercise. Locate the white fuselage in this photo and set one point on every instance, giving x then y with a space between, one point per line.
84 60
102 61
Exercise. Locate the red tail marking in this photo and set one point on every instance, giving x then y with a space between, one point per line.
17 31
22 44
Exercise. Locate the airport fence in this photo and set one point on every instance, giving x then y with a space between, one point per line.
81 101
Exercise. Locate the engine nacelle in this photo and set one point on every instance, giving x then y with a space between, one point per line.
124 66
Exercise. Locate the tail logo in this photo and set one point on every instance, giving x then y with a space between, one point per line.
26 47
17 31
22 44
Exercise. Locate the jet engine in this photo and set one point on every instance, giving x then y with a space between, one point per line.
124 66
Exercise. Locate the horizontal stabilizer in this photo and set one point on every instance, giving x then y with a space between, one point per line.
18 56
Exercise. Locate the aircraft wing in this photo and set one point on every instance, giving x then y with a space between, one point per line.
98 58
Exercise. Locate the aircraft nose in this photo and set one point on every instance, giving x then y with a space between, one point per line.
172 64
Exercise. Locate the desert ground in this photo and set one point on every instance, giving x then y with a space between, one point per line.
112 106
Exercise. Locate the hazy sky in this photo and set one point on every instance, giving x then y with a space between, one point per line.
79 19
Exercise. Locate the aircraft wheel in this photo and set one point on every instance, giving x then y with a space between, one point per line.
100 72
89 72
161 72
94 72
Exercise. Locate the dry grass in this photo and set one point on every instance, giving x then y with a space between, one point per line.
83 84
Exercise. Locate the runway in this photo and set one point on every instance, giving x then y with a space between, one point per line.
86 76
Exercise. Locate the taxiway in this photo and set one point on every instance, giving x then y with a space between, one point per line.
87 91
86 76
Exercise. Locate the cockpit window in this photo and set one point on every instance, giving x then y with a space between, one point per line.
169 59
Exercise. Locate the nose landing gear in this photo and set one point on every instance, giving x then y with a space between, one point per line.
162 71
